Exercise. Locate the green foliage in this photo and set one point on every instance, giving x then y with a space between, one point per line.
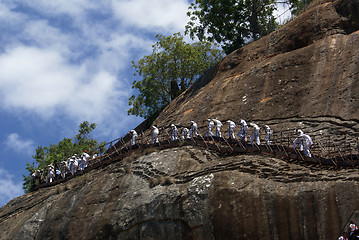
27 178
297 6
168 71
55 153
231 23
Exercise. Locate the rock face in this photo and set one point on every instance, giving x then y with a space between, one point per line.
308 68
305 75
188 193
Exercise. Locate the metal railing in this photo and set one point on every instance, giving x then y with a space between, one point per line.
326 150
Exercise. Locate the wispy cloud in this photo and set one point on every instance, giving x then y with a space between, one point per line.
64 62
72 59
18 144
164 15
9 189
42 81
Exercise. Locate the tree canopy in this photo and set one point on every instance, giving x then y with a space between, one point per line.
168 71
233 23
55 153
296 6
230 23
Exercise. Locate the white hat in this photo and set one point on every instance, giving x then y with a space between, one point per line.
172 125
300 133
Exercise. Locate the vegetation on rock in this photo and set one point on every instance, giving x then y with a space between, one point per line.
55 153
168 71
233 23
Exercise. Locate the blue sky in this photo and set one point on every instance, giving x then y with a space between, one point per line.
64 62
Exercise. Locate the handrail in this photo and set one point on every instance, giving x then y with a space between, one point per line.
230 147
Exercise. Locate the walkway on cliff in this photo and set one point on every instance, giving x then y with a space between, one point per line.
326 152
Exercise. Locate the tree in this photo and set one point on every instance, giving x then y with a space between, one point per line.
297 6
231 23
56 153
168 71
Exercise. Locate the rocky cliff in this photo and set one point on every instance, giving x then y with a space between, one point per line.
303 75
307 69
188 193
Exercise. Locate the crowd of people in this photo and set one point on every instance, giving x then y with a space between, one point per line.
303 141
79 163
68 167
352 232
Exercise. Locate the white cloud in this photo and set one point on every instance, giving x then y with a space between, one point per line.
282 14
35 79
53 8
41 81
165 15
19 145
7 16
41 34
118 50
9 189
72 59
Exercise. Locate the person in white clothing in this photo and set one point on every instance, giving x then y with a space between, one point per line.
50 174
155 133
255 134
352 227
73 164
84 160
185 133
58 174
69 163
308 143
64 168
174 132
298 140
134 135
218 127
231 128
342 237
210 126
36 175
77 161
242 134
304 141
193 132
268 134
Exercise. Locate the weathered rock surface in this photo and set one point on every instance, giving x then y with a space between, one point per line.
188 193
304 75
309 68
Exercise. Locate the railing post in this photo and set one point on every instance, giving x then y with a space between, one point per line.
288 141
328 147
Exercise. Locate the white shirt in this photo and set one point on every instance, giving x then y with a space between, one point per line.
219 124
134 133
243 123
231 124
155 131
